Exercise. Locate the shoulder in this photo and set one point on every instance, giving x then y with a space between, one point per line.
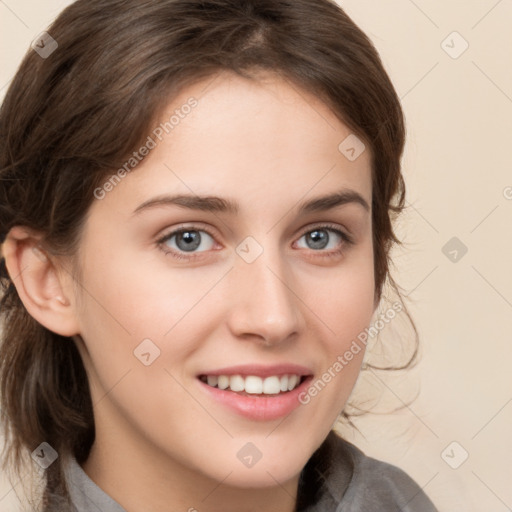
375 484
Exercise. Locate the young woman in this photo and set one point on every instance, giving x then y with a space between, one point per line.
196 205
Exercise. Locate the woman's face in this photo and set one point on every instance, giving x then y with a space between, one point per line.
268 291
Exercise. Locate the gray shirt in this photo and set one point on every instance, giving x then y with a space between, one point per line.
338 478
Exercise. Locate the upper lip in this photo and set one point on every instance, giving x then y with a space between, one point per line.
260 370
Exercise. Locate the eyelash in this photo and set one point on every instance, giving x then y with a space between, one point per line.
346 240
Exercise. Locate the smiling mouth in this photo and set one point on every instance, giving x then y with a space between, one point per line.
252 385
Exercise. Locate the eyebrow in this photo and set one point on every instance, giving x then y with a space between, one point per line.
221 205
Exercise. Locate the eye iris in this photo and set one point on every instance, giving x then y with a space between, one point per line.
319 238
192 240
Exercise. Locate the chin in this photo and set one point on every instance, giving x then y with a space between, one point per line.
273 469
252 478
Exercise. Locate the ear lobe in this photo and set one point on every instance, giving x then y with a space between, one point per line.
38 282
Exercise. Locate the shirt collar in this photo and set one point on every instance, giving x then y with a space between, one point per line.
327 475
85 495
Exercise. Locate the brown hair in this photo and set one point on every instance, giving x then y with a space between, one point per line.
70 119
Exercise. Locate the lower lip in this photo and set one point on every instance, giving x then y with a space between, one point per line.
258 407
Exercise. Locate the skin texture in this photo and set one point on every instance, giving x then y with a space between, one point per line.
160 438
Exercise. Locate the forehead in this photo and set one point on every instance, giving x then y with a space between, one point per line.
268 112
263 140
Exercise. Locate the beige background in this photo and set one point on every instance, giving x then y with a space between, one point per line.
458 167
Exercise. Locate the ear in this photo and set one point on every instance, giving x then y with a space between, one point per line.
43 286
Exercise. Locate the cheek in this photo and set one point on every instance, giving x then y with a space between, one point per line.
137 296
344 306
344 298
132 300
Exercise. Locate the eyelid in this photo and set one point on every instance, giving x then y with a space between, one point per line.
192 226
345 233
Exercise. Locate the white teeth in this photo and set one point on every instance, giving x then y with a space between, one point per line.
223 382
292 382
236 383
254 385
271 385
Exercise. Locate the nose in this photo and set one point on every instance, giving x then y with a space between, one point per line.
266 307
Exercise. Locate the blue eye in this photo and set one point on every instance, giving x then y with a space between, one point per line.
320 238
186 240
187 243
